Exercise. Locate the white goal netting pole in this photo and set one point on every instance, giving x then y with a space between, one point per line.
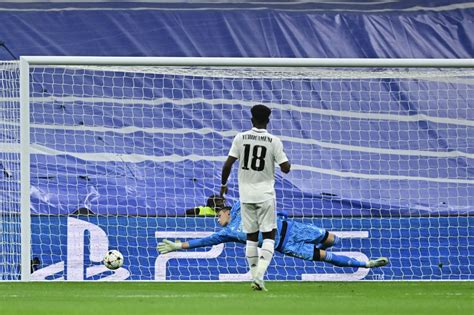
25 171
14 231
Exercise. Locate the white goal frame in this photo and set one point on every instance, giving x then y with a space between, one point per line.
27 61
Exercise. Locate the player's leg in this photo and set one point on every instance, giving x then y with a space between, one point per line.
251 252
267 225
329 240
250 225
346 261
296 246
266 256
337 260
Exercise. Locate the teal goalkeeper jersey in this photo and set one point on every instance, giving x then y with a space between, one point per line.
233 232
295 239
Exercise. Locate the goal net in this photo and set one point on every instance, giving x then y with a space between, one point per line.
10 231
381 156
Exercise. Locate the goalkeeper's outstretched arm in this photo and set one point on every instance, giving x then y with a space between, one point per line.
214 239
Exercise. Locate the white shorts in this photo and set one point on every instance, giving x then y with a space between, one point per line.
259 216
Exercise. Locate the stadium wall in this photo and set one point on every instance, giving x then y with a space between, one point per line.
361 29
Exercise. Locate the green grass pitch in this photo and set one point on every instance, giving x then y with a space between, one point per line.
328 298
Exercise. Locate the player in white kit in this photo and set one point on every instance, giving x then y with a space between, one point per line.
257 151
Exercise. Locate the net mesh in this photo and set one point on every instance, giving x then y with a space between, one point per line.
10 255
382 157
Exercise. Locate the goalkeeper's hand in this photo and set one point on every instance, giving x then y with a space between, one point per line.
168 246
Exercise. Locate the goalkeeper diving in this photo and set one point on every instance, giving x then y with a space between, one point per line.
295 239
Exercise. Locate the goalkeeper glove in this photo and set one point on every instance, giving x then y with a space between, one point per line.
168 246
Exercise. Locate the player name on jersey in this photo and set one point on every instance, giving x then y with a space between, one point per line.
257 138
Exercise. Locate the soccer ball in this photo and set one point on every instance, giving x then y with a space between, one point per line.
113 259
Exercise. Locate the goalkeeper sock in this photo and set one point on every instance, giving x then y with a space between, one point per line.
251 253
266 255
343 261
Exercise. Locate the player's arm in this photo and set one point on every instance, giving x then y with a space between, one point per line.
281 158
226 169
217 238
231 158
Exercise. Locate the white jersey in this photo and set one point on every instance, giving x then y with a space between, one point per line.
257 152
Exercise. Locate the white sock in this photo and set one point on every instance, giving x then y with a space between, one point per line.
266 255
251 253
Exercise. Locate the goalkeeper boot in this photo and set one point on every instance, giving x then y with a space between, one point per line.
258 285
379 262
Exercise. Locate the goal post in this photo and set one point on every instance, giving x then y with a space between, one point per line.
10 165
113 150
25 205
